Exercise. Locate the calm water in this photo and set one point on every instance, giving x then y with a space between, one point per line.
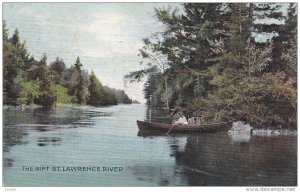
108 137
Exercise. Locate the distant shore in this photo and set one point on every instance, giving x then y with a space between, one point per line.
33 106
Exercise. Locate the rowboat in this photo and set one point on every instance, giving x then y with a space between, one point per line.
169 128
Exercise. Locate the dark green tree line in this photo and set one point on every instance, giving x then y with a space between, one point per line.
98 96
27 81
120 95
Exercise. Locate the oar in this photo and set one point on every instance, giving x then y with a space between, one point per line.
170 130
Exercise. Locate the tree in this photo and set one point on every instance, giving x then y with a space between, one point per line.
62 95
152 52
186 45
15 39
57 69
29 91
43 60
77 84
120 95
240 81
289 55
15 58
98 96
27 81
5 32
9 69
217 68
41 72
275 28
20 51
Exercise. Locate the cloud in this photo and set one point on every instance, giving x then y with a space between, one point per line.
105 36
111 36
105 22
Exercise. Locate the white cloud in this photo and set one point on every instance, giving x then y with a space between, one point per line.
106 37
106 22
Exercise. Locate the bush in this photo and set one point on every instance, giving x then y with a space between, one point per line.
266 101
62 95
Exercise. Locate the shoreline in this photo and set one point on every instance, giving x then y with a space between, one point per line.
259 131
19 107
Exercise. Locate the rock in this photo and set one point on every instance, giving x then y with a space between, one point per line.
241 126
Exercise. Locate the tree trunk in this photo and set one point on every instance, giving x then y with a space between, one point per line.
167 94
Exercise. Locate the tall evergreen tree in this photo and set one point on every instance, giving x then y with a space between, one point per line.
96 91
9 69
77 84
289 57
43 60
15 39
268 19
15 57
57 69
187 44
4 33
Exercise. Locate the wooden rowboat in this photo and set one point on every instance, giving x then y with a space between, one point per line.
169 128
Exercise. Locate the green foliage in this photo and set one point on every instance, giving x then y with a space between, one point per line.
151 88
98 96
62 95
30 82
42 73
121 96
269 97
137 76
289 56
262 101
15 39
15 59
78 85
217 70
153 54
29 91
10 71
57 69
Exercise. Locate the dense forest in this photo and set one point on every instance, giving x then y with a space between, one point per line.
27 81
224 62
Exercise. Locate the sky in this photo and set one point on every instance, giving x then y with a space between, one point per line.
106 36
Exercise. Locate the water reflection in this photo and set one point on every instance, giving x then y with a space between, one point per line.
12 137
158 115
239 136
109 136
150 134
43 141
153 174
19 123
237 158
7 162
158 170
214 160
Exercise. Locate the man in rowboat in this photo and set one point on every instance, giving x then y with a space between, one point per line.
181 121
194 121
178 117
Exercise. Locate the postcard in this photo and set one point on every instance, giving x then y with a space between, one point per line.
150 94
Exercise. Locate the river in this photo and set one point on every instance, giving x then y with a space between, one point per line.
38 142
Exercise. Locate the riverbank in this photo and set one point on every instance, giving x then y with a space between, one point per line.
33 106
